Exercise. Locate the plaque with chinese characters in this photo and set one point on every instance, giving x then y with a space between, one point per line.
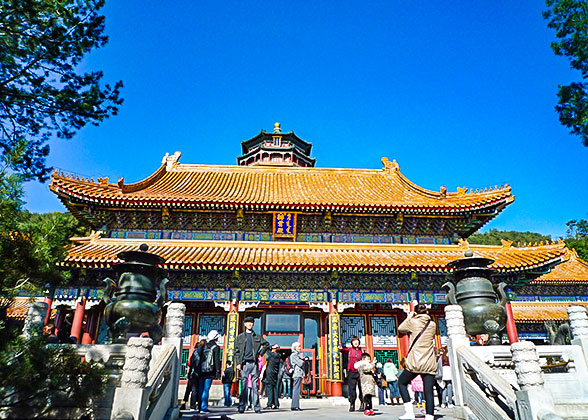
284 225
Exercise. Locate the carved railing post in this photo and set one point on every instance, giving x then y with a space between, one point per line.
534 401
35 319
174 334
456 338
131 397
579 326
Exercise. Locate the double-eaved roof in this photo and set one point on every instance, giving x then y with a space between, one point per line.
176 185
97 252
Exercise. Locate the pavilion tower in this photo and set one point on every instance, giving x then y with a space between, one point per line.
276 148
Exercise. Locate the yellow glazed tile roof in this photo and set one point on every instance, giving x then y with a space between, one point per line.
574 270
266 187
19 307
96 252
542 311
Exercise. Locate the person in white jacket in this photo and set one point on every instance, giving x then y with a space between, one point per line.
391 374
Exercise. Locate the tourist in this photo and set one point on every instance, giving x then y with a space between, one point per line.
365 367
272 369
417 387
281 378
420 359
391 375
380 379
228 376
353 356
49 334
210 368
248 346
439 384
194 377
286 379
447 377
297 362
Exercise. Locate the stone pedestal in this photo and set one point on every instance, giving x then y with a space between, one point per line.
534 401
456 338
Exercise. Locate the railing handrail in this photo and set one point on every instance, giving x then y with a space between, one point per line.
158 369
488 376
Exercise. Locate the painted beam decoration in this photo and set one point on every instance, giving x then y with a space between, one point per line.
372 296
284 295
335 373
199 295
285 225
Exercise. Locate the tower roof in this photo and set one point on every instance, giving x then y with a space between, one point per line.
176 185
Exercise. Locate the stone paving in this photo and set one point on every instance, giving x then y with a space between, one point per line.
314 409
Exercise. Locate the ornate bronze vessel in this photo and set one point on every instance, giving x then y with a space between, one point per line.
483 308
133 305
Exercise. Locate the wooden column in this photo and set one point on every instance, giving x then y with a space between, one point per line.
89 336
511 328
49 292
78 320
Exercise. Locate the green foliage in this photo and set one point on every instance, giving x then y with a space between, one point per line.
42 91
578 237
36 378
31 244
569 18
494 237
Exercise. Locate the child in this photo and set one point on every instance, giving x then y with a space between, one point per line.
365 367
418 388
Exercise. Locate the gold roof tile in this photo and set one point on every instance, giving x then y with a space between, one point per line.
573 270
88 252
542 311
291 187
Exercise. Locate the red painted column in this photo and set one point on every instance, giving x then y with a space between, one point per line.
76 327
511 328
49 292
92 318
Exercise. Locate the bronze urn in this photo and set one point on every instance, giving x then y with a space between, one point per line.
133 306
483 307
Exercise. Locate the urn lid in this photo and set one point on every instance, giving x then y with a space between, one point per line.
141 257
470 262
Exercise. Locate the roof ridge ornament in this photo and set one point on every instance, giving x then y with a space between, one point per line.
171 161
506 243
277 128
390 167
463 243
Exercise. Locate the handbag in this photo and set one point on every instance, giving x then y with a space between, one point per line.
403 360
307 380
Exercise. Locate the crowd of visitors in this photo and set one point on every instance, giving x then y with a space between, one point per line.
261 368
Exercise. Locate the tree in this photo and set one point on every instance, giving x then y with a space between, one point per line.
42 91
578 237
494 237
569 18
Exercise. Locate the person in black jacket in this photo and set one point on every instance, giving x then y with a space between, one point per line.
193 386
272 371
210 368
248 346
227 381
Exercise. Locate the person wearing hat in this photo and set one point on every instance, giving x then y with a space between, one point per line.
272 369
210 368
248 347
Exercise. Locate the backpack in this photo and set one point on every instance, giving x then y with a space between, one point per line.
288 369
207 359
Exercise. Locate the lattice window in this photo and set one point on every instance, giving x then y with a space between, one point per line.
188 322
350 326
208 323
384 331
383 355
442 323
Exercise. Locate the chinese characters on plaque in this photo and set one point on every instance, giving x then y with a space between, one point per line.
284 224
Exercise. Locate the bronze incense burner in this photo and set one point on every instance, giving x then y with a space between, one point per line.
483 307
132 304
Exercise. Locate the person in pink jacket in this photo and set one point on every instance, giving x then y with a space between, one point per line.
417 387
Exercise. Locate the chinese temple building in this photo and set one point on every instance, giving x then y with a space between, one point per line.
317 255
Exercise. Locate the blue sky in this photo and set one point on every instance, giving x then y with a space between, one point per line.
460 94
